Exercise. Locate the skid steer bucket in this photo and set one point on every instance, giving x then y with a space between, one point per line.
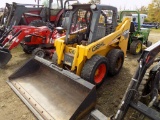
4 58
52 93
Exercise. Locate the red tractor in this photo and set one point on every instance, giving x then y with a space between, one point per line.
34 15
40 41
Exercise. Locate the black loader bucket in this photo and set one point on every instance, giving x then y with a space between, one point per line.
5 56
52 93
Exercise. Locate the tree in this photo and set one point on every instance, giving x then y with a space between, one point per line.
154 11
45 3
95 1
143 10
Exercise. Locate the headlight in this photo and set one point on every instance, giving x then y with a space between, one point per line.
93 6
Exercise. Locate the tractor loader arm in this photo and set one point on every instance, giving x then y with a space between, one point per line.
146 60
22 31
119 38
16 36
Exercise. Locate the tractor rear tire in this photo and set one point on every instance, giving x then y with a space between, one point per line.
27 51
116 59
149 43
136 47
39 52
95 70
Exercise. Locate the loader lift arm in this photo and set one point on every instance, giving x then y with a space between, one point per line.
146 60
22 31
129 100
39 36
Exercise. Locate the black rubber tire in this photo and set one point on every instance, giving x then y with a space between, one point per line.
114 56
39 52
142 90
90 67
149 43
37 23
133 47
27 51
143 84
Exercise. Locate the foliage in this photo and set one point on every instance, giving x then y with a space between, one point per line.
154 11
147 20
45 3
143 10
94 1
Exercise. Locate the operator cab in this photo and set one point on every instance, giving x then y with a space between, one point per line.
89 23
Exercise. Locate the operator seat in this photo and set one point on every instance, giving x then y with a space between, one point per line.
132 28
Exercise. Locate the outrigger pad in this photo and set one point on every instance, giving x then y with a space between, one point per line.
52 93
4 58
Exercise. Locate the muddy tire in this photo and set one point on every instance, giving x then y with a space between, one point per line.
116 59
27 51
95 70
149 43
136 47
143 91
39 52
143 84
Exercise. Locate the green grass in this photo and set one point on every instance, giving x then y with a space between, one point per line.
156 30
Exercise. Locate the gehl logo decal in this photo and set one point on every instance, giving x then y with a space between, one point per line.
97 46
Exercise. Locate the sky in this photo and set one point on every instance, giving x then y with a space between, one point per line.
127 4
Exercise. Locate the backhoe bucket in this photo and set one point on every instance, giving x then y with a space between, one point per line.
4 58
52 93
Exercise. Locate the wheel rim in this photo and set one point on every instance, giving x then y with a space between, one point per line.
100 73
138 49
40 54
118 63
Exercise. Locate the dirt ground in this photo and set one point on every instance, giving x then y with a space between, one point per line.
109 94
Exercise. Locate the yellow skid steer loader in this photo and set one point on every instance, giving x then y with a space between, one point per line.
64 89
